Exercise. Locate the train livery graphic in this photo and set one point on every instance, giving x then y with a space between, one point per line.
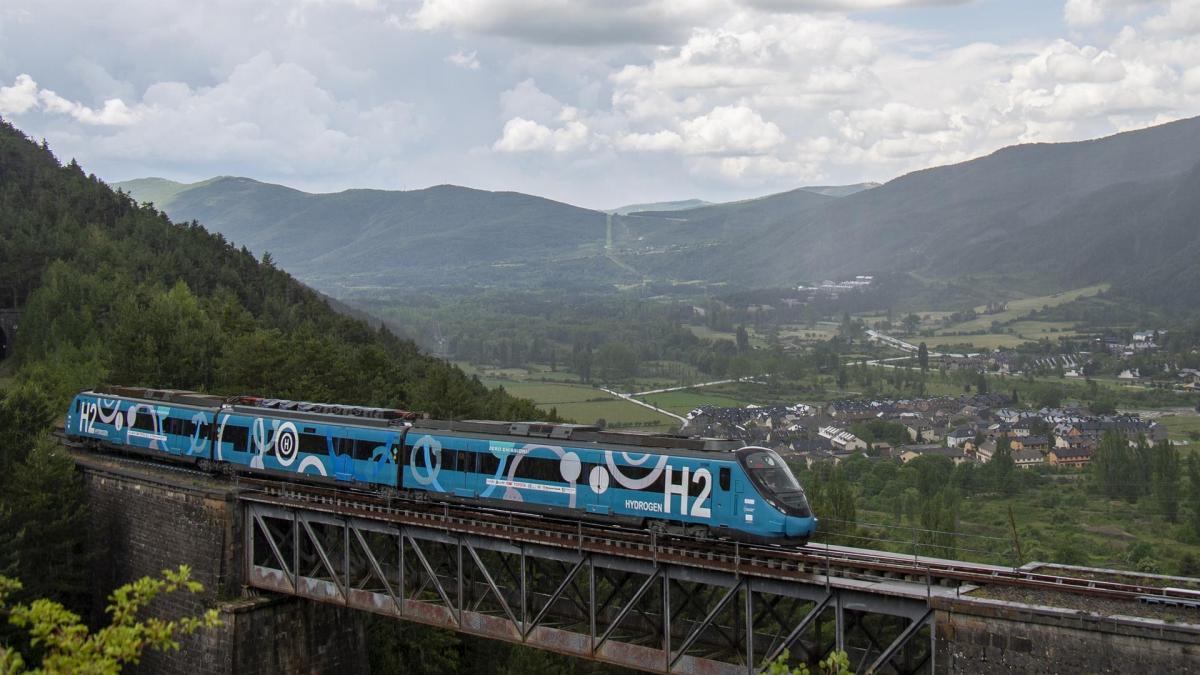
702 487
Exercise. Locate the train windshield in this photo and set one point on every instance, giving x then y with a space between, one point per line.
774 480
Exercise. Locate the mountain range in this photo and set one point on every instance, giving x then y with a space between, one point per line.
1119 209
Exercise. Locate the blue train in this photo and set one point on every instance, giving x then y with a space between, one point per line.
701 487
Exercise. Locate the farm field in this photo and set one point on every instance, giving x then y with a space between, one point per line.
683 402
1019 308
1022 331
585 405
804 333
1182 426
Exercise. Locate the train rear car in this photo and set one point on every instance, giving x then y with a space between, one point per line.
145 421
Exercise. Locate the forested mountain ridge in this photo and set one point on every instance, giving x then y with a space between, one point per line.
437 236
113 291
1028 210
1030 213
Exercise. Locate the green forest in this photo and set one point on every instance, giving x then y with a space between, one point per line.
111 291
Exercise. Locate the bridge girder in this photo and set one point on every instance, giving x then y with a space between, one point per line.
627 609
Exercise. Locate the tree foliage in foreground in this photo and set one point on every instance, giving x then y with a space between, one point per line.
66 645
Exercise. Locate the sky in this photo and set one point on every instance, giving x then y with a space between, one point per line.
594 102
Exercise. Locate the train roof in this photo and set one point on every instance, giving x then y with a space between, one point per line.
176 396
580 433
387 417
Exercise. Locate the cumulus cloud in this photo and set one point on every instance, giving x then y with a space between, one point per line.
735 131
1083 12
25 94
266 115
464 60
730 130
20 97
1182 16
522 135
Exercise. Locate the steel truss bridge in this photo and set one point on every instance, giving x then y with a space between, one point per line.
620 597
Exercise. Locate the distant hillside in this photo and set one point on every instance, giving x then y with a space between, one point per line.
685 204
1042 216
841 190
660 206
439 236
1118 209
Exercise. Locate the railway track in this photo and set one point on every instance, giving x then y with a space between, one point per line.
812 560
813 563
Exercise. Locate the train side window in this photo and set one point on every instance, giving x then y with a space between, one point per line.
345 446
488 463
466 461
419 458
659 485
144 421
313 444
236 436
539 468
363 449
723 478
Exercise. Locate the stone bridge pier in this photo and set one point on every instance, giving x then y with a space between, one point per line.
145 521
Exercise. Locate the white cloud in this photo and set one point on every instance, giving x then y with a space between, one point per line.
266 116
1083 12
730 130
1182 16
526 100
20 97
522 135
658 141
25 95
464 60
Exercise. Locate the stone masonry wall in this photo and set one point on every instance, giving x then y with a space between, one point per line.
989 637
145 520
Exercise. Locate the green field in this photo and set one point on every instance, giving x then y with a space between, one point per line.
683 402
1022 331
585 405
1022 307
1181 426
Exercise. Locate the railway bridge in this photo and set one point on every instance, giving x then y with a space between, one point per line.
294 568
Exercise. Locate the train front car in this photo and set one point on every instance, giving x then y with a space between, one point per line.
688 486
788 514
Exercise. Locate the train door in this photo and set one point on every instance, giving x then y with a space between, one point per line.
741 510
722 504
465 470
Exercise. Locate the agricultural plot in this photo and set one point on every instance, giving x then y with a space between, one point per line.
683 402
1022 331
1017 309
586 405
1182 427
